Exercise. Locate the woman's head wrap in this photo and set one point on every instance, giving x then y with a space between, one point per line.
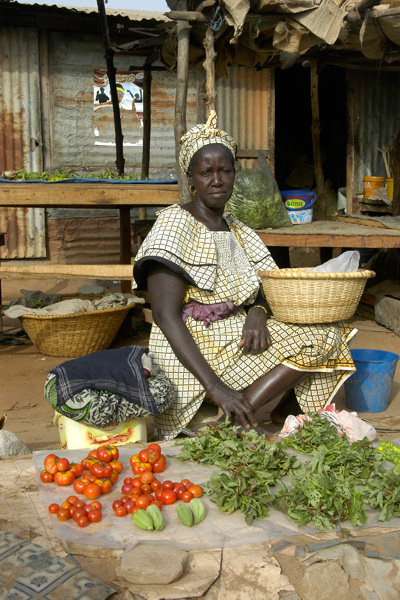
202 135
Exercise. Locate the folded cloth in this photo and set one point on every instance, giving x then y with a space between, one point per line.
119 371
208 312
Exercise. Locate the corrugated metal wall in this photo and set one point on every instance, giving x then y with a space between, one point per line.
245 106
78 129
375 108
20 132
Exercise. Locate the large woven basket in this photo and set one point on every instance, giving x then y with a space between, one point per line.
76 334
302 296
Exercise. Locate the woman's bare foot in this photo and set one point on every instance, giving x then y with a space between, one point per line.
288 405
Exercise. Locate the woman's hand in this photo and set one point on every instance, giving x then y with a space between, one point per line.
255 334
233 403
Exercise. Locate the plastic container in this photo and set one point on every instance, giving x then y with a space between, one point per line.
389 188
75 435
372 183
299 204
368 389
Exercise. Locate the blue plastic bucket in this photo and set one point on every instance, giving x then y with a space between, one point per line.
299 204
368 389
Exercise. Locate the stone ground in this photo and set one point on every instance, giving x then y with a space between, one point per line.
23 371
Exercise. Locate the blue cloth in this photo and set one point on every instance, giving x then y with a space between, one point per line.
119 371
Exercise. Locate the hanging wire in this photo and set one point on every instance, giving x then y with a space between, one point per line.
217 20
254 30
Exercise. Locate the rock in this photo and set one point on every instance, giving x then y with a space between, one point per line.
11 444
138 565
326 580
387 313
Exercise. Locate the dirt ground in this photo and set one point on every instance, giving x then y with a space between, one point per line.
23 371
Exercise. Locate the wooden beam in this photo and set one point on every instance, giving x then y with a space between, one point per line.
315 134
111 72
209 67
106 272
396 175
189 16
182 78
146 123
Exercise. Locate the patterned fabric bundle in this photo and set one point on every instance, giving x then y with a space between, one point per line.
108 387
202 135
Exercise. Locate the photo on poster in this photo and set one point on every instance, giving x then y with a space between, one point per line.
129 91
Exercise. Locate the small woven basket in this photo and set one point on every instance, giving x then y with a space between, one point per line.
303 296
76 334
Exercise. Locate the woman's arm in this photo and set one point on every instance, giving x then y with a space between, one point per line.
167 291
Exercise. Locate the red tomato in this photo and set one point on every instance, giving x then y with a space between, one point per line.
92 491
87 508
64 477
128 479
80 485
63 464
157 503
134 509
187 496
155 485
160 464
136 483
167 485
196 490
179 491
93 453
153 456
142 502
104 484
146 489
46 477
50 463
66 504
134 459
96 505
101 469
168 496
80 504
107 453
149 497
54 508
73 499
158 494
116 504
144 456
186 483
137 468
129 505
146 477
78 513
63 514
127 487
116 466
134 497
114 477
86 462
77 469
121 511
155 447
83 521
94 516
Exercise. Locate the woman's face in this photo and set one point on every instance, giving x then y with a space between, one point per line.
212 175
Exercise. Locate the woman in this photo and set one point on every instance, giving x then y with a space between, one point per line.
213 333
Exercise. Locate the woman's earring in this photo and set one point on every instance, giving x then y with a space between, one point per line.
192 189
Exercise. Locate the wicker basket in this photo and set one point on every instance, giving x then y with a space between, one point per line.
302 296
76 334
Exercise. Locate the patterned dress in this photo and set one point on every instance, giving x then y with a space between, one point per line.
221 267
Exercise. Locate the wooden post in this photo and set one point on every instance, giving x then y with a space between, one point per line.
315 134
111 71
396 175
182 76
146 122
209 67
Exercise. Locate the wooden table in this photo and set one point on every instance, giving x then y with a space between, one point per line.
326 235
123 196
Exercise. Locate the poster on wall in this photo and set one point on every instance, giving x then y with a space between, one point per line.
130 96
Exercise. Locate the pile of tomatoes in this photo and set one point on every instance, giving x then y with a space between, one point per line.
60 470
149 459
78 510
101 471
